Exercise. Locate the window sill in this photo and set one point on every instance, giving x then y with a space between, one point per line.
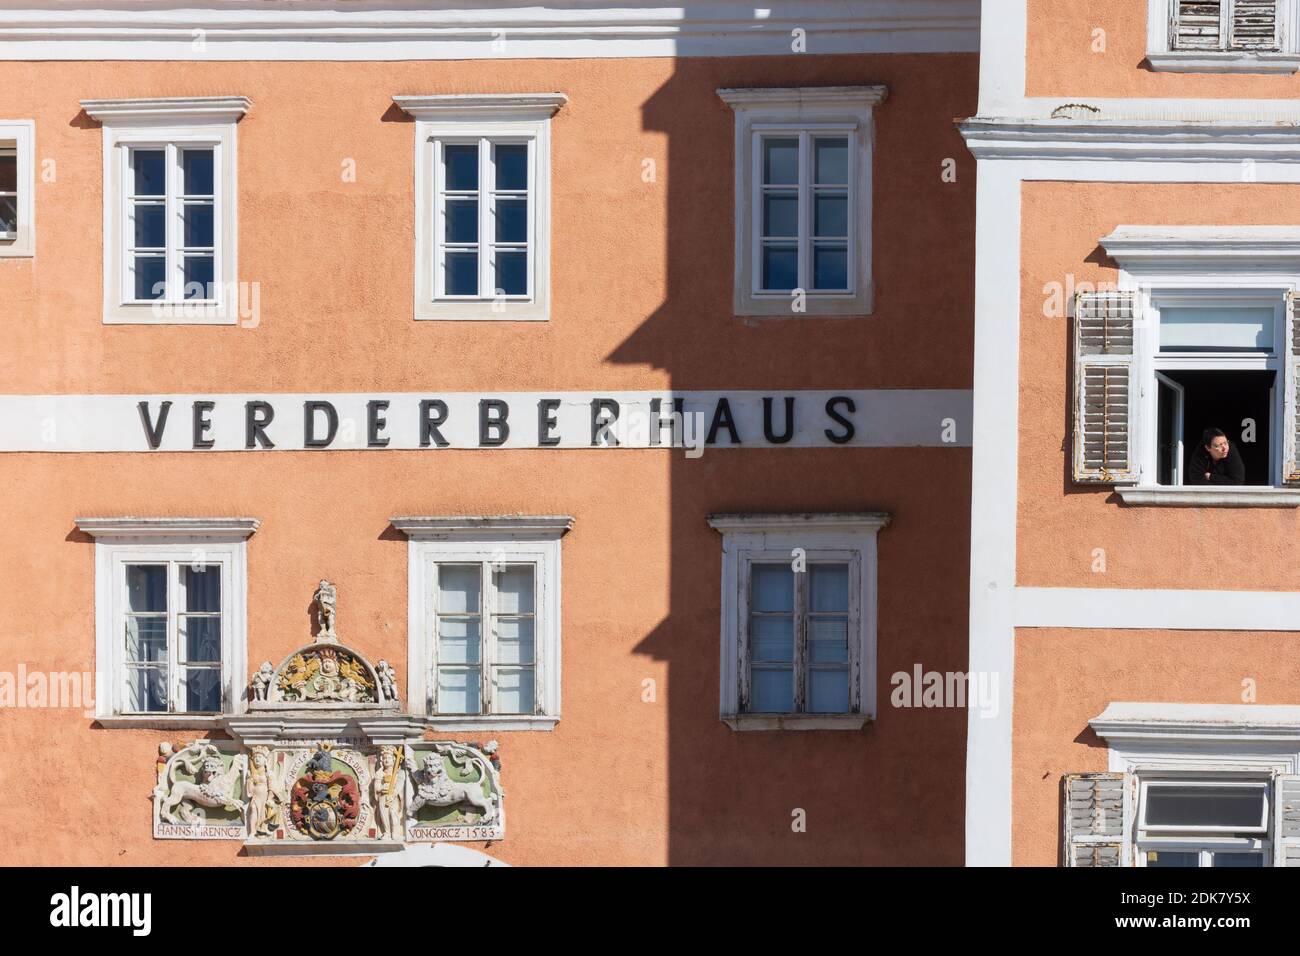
1201 62
161 721
451 310
489 723
744 722
1210 497
828 306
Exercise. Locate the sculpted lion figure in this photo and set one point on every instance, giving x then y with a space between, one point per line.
213 785
434 788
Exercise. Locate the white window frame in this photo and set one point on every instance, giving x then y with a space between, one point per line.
1255 266
805 112
20 137
434 540
1162 57
1205 840
171 124
767 538
123 541
483 119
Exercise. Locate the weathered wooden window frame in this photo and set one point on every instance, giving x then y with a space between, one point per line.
18 137
1162 55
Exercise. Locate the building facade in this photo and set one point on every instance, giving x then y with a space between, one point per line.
543 434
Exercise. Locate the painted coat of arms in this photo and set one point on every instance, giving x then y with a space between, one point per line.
325 803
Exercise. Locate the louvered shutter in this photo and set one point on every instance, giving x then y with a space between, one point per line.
1093 817
1197 25
1254 25
1286 821
1291 397
1103 387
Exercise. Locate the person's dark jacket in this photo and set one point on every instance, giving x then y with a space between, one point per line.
1227 471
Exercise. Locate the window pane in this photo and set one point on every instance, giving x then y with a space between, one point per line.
462 273
781 214
512 220
146 689
514 641
460 166
1204 806
458 587
202 587
828 640
8 214
199 275
8 174
458 690
514 585
512 272
828 691
200 639
831 216
462 220
1173 858
772 587
514 690
201 688
146 639
771 639
1237 859
1222 330
780 162
459 641
150 277
830 267
146 587
832 161
198 225
150 172
772 691
512 165
780 268
196 165
828 587
150 226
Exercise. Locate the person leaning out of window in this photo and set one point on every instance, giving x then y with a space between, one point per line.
1216 461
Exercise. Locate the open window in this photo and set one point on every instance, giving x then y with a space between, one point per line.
1215 822
17 186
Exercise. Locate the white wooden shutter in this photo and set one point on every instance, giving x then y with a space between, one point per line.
1093 817
1286 821
1104 387
1197 25
1254 25
1291 396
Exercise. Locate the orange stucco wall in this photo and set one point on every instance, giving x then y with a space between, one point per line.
1062 61
641 276
1064 678
1060 523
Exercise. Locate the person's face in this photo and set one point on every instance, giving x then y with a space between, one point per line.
1218 448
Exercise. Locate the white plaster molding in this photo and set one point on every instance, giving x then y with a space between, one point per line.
1208 496
1252 245
1118 140
167 722
744 722
1201 61
1157 609
177 110
482 106
414 30
168 527
1149 723
848 522
436 854
469 527
795 97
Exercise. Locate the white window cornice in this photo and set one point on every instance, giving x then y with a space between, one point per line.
1133 246
129 527
457 527
810 523
475 107
1230 736
801 97
177 110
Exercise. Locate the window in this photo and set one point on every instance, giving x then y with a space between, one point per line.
17 186
1208 822
1257 36
482 193
169 209
170 612
803 199
485 620
798 617
1197 337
